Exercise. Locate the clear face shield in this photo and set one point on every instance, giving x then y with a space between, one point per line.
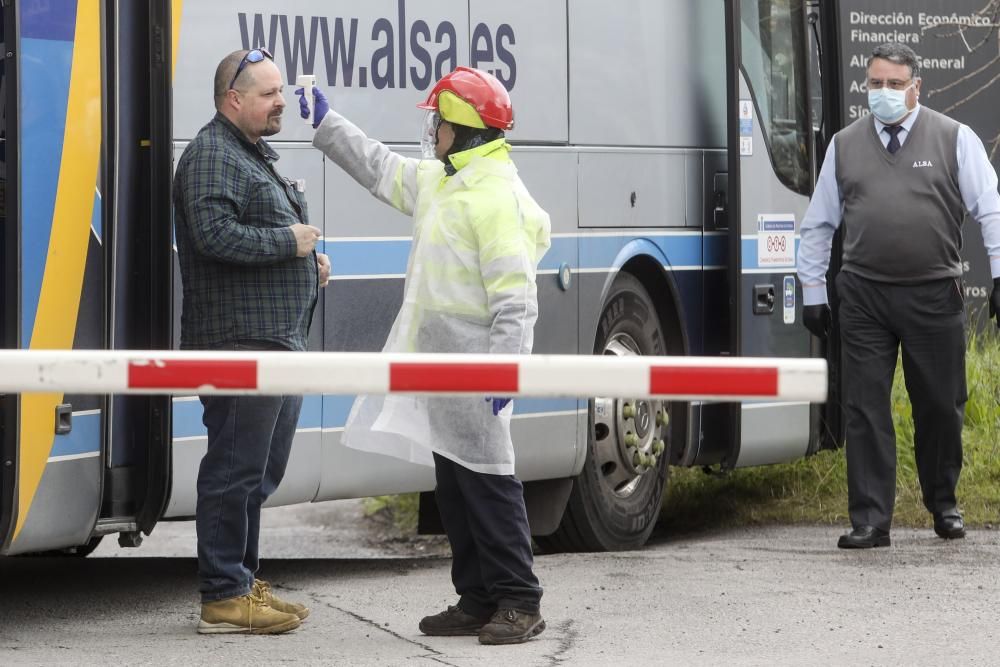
428 135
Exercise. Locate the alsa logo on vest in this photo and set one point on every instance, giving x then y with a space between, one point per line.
919 164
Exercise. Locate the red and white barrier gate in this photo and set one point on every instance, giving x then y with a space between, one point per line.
180 372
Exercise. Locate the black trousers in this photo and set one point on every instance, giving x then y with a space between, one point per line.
487 526
928 321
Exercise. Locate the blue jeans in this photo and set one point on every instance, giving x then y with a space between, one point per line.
249 439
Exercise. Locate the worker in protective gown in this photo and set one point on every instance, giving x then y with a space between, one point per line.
478 237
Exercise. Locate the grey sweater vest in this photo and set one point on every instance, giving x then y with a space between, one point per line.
903 213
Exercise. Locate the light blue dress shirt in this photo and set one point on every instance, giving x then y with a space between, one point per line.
977 182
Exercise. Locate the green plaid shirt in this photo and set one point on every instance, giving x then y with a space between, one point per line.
232 213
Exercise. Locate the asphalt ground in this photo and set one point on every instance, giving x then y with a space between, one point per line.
768 596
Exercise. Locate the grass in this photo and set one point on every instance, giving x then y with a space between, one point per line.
401 511
814 490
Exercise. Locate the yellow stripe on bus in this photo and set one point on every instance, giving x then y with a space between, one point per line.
176 7
62 283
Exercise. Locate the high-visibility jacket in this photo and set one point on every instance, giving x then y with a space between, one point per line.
478 237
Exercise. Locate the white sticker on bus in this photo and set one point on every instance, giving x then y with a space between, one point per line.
776 240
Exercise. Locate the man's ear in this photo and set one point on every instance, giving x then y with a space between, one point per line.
234 99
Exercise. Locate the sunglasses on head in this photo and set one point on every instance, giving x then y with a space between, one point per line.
254 56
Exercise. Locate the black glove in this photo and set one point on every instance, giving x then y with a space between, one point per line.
995 301
818 319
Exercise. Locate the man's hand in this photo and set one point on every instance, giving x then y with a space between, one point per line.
320 105
323 262
306 237
818 320
498 404
995 301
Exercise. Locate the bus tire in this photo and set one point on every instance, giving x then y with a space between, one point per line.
615 503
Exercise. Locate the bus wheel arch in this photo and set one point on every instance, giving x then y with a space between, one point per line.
616 498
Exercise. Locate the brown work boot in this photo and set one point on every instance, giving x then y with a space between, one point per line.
510 626
452 622
247 614
262 589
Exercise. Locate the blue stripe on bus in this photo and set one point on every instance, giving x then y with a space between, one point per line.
333 412
363 258
45 72
606 251
312 411
388 257
95 219
83 439
188 424
716 250
51 20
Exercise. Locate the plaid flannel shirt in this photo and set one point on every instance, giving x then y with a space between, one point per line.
232 217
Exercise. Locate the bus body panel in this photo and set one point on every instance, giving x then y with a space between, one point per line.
648 73
633 188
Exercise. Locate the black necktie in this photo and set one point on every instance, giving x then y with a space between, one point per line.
893 131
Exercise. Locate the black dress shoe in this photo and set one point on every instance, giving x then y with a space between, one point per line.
864 537
949 526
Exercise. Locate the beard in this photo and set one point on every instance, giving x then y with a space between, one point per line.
272 127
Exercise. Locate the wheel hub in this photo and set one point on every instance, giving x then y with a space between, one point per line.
629 433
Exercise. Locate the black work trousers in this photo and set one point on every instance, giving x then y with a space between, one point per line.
487 526
928 321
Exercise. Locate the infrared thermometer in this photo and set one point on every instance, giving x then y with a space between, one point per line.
306 83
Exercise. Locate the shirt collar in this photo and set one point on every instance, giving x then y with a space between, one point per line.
906 124
261 147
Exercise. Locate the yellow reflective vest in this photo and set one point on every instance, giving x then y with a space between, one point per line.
478 237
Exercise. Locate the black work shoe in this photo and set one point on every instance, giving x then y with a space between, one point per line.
864 537
949 526
510 626
452 622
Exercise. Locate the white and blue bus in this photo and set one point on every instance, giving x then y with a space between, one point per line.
671 141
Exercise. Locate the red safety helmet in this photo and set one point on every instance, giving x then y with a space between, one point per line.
480 89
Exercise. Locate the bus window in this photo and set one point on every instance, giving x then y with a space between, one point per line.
774 45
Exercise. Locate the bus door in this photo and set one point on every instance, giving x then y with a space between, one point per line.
79 119
53 441
10 268
138 146
770 180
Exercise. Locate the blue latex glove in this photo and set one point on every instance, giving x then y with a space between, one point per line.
498 404
320 105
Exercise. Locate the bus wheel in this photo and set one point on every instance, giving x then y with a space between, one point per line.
617 496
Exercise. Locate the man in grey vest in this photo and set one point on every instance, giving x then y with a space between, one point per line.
901 181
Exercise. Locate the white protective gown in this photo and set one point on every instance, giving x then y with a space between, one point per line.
478 237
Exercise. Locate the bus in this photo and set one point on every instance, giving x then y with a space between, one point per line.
672 142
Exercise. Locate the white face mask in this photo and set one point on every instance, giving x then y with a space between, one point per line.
888 105
428 135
